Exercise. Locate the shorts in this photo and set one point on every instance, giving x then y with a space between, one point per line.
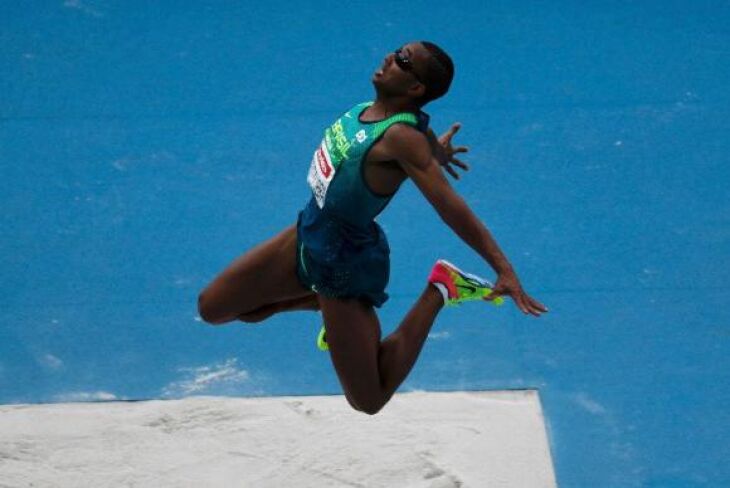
337 262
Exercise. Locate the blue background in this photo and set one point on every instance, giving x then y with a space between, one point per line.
144 146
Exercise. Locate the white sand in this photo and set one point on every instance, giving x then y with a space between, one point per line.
429 440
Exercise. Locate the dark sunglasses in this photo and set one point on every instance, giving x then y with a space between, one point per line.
405 63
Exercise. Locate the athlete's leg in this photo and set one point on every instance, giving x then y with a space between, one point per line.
263 276
308 302
369 370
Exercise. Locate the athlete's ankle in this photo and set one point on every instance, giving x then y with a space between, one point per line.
443 292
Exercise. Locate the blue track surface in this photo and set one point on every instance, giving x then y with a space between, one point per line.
142 147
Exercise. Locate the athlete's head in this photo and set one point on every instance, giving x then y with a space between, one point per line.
420 71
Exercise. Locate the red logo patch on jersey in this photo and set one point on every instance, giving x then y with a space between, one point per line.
324 165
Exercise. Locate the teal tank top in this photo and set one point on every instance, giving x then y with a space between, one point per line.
336 174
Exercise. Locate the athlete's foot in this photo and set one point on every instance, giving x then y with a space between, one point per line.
457 287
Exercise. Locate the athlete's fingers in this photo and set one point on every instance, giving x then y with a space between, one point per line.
453 129
533 311
521 303
459 149
450 133
461 164
451 171
537 305
521 299
531 306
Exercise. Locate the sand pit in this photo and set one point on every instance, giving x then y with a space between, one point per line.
429 440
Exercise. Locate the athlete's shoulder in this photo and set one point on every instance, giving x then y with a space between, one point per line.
419 123
405 133
418 120
407 144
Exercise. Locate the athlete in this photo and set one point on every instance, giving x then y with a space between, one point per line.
336 257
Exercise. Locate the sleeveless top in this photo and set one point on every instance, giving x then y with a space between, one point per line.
336 174
342 208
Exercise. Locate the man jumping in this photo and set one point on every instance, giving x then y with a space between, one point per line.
336 258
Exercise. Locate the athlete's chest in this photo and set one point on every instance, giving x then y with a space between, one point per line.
381 171
339 155
353 153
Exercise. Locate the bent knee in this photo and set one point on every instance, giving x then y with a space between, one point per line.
366 407
371 409
209 311
352 403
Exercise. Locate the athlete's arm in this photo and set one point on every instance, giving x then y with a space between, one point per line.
412 151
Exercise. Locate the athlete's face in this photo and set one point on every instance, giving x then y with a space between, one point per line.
402 71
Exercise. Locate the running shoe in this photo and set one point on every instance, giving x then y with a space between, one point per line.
322 340
461 287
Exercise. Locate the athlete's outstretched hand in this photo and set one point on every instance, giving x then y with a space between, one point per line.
508 284
449 150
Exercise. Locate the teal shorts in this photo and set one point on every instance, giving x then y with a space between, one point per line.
333 263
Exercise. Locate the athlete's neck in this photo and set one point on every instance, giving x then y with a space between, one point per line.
383 108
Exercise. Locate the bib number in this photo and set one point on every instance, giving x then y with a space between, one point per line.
321 173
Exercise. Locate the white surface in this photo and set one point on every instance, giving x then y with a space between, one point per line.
429 440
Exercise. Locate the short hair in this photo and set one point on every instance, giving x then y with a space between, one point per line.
439 73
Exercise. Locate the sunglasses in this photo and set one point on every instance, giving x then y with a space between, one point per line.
405 63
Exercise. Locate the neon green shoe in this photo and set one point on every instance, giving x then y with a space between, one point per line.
322 341
460 286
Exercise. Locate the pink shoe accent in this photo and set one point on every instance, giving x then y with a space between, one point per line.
441 274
